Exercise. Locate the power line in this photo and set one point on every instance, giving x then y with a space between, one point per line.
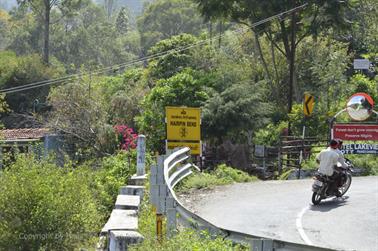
68 78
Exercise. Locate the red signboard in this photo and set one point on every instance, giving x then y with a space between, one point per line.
355 132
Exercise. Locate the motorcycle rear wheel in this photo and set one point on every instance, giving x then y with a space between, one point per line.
344 188
316 198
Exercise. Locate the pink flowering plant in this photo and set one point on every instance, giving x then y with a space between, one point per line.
127 137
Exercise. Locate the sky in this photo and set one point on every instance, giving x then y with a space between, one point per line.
135 6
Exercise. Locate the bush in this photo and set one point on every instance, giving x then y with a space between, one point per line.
115 171
186 239
367 162
232 175
45 207
202 180
222 175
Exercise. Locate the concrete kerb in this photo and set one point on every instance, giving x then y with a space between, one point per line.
121 229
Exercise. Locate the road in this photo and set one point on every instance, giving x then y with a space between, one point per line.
282 210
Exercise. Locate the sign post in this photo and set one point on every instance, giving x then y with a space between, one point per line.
141 155
361 64
183 128
355 132
360 107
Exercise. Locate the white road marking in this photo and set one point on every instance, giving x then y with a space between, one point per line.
300 227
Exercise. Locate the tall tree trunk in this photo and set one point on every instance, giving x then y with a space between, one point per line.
291 62
220 33
261 56
47 32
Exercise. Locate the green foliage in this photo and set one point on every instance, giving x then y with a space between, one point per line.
321 71
368 163
285 174
17 71
163 19
172 63
8 64
185 239
232 175
4 29
92 40
270 135
363 84
122 22
183 89
222 175
239 109
114 173
25 33
123 93
362 35
201 180
45 207
316 124
310 164
80 112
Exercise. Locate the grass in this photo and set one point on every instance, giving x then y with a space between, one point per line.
189 239
222 175
185 239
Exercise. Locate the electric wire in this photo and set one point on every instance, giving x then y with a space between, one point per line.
69 78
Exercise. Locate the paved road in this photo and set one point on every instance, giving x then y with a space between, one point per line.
283 210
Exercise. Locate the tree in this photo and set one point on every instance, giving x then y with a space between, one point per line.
305 18
79 112
4 29
163 19
236 112
18 71
171 63
43 9
122 22
186 88
124 94
90 39
109 6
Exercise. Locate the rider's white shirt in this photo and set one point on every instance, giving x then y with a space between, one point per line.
328 159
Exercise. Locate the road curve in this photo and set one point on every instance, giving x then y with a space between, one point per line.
282 210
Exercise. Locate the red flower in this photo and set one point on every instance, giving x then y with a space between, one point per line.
127 137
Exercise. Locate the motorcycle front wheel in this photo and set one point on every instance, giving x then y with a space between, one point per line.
344 188
316 198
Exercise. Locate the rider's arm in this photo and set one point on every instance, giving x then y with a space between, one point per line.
341 159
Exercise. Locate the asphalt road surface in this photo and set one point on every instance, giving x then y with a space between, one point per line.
283 210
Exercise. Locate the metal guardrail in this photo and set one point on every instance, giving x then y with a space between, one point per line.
175 171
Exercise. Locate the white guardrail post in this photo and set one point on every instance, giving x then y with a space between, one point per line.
173 168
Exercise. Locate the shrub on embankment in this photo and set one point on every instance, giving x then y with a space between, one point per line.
185 239
222 175
45 207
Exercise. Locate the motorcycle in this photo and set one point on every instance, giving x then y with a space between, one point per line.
322 183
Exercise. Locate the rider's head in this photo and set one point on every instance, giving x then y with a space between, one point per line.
340 143
333 144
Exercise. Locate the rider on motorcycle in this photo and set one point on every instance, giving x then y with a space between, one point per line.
342 165
327 160
341 159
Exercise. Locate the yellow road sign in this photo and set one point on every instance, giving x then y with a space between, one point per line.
308 104
195 147
183 123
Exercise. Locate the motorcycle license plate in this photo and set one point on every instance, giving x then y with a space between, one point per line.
318 183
